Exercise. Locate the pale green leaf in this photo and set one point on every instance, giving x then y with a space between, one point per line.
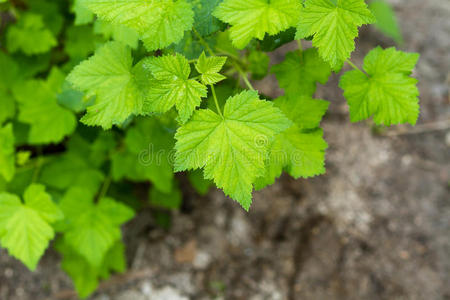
172 86
386 92
300 150
210 67
231 149
25 228
254 18
334 26
159 23
109 76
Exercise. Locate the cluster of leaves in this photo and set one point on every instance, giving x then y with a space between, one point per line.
100 95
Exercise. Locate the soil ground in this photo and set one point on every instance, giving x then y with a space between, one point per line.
376 226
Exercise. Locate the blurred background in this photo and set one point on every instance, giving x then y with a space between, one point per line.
375 226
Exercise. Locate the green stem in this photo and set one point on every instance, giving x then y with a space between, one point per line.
300 50
244 76
203 42
39 163
193 61
105 188
355 67
300 47
216 101
227 53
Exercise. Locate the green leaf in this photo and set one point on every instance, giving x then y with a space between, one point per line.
109 76
171 200
172 86
198 182
8 79
204 21
272 42
80 42
232 148
25 228
254 18
386 92
93 228
258 64
38 107
300 150
334 25
386 20
30 36
7 159
117 32
83 15
70 170
300 72
210 67
147 156
85 276
51 14
159 23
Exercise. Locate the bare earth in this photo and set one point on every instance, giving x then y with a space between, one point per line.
376 226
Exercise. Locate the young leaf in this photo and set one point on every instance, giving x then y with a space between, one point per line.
110 76
7 159
386 92
232 148
38 107
210 67
172 86
25 228
92 228
159 23
334 25
300 150
254 18
300 72
30 36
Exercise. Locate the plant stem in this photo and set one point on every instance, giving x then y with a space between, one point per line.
355 66
39 162
216 101
244 76
227 53
300 47
300 50
203 42
192 61
105 188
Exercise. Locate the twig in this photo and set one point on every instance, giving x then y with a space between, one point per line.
421 128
